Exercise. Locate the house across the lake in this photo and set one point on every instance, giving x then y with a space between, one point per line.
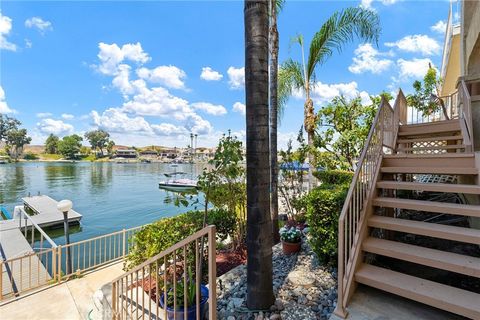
126 153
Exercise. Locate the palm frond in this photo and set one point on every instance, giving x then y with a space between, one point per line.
342 27
297 39
290 78
279 4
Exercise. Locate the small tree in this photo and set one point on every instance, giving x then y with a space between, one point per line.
6 124
16 139
426 97
51 144
98 139
110 146
290 185
70 146
343 127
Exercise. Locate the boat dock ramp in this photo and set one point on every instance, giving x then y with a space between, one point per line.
22 264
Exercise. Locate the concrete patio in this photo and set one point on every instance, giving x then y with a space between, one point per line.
68 300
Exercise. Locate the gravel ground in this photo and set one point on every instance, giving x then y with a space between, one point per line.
303 288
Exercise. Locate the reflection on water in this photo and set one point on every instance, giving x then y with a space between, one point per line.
110 196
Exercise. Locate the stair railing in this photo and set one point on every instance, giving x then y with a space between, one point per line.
169 285
465 115
381 139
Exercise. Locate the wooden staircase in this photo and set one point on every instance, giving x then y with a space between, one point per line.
393 197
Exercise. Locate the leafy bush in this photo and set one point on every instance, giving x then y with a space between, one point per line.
334 176
225 222
322 207
30 156
162 234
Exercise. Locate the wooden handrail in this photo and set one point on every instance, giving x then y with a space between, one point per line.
382 134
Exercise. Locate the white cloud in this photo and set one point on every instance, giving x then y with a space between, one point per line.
158 102
439 27
67 116
209 74
417 43
4 108
367 4
28 43
216 110
239 107
415 68
111 55
324 93
5 28
38 23
168 129
366 59
169 76
236 77
115 120
56 127
44 114
196 124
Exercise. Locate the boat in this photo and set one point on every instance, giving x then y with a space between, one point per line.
178 185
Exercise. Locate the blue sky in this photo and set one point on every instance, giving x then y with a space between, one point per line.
152 72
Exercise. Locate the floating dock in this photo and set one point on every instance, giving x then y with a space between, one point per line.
45 213
17 273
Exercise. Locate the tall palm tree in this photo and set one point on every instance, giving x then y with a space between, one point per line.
275 7
341 28
259 223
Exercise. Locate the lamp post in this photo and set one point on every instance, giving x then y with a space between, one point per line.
65 206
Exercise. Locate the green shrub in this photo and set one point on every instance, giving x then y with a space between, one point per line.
30 156
334 176
322 207
162 234
224 221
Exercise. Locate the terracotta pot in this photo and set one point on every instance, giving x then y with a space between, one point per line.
289 248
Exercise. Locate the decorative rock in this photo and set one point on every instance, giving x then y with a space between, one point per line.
304 289
301 278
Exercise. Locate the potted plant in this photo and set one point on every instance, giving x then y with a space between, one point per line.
179 311
291 239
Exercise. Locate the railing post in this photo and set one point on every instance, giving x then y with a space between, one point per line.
124 235
59 263
212 274
1 281
54 263
114 300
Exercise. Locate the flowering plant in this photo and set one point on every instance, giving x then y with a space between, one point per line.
290 234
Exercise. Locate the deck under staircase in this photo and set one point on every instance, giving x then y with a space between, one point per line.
400 187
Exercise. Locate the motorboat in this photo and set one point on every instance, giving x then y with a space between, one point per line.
178 185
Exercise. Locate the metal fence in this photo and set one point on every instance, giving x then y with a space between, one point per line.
178 283
48 263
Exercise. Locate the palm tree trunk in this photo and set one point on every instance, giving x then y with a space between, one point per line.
309 123
274 120
259 223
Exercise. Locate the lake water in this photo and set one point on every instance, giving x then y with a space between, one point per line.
110 196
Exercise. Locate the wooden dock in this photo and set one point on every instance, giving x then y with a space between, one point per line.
46 213
22 267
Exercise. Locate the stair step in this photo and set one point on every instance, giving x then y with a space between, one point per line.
431 170
448 147
428 206
433 187
443 260
438 295
430 128
429 139
428 229
442 160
